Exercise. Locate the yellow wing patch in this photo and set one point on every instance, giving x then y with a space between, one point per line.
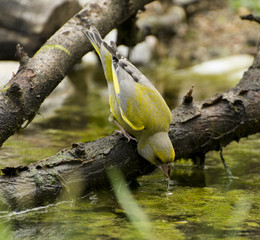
115 80
129 123
109 69
96 48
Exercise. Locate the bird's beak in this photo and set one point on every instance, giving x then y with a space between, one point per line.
166 169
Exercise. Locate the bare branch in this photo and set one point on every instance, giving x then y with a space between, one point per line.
251 17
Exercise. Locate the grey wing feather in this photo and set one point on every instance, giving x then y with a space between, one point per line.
137 76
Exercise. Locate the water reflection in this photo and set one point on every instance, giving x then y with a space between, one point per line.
189 176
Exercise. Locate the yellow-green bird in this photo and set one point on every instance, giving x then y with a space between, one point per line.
136 106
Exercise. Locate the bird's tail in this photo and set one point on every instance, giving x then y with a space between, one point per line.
107 54
94 37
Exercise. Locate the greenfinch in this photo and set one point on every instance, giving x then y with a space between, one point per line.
136 106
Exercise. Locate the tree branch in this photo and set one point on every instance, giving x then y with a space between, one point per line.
251 17
39 75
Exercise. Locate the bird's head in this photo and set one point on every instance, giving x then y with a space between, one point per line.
157 149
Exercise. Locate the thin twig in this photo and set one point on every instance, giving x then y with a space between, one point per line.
187 99
251 17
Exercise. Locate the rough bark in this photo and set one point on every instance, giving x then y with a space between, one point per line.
38 76
197 128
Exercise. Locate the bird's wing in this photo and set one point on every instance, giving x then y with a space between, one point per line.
140 102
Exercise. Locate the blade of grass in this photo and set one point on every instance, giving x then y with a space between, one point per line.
134 212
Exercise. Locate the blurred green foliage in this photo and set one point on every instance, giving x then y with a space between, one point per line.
253 5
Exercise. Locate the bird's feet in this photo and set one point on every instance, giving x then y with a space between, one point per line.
126 134
122 130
